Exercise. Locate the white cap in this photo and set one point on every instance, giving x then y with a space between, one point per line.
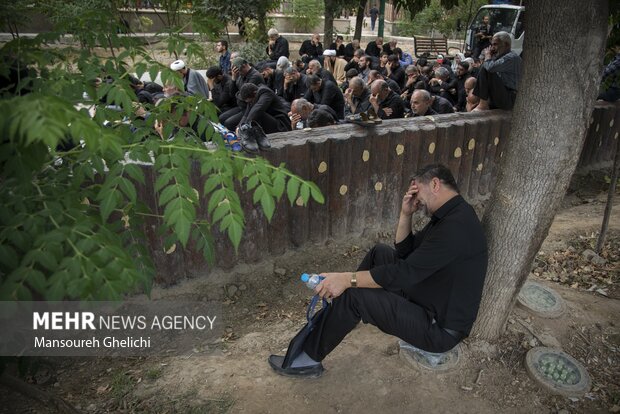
329 52
177 65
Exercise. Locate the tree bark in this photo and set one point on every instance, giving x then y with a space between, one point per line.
328 28
549 122
359 20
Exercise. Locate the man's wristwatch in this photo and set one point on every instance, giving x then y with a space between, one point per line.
353 280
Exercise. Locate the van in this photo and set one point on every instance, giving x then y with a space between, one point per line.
503 18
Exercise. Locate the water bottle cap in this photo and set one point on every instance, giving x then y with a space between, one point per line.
305 277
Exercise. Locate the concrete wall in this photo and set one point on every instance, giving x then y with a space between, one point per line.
362 173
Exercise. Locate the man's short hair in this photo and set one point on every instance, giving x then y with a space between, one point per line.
238 62
397 51
351 73
248 91
442 72
272 32
504 38
422 61
393 58
464 65
290 70
412 69
359 53
339 37
300 104
314 80
426 95
224 43
426 174
359 82
319 118
213 71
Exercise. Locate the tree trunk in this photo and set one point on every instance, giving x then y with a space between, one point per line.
549 122
328 28
359 20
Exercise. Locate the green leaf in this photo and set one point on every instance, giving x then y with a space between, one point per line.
292 189
135 171
8 256
304 192
235 230
316 193
222 209
108 204
279 183
37 280
268 205
128 189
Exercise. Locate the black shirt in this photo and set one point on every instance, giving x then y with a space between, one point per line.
442 105
393 102
329 95
313 52
442 268
373 49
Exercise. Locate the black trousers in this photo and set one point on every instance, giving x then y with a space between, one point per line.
490 87
390 311
231 118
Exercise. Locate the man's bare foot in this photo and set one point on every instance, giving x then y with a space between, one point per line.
482 106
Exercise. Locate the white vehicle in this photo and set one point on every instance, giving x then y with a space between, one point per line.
503 18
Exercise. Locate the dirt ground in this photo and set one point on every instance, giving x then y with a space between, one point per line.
264 305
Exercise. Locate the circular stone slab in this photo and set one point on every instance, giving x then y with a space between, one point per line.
541 300
429 361
557 371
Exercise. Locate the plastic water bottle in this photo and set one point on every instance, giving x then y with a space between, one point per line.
311 280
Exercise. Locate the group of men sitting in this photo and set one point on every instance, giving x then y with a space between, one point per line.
326 86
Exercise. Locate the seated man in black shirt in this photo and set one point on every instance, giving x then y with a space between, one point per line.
426 292
397 73
221 89
421 103
294 86
311 49
374 48
325 92
338 46
386 103
349 50
357 97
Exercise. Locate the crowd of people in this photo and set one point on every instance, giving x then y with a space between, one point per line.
329 85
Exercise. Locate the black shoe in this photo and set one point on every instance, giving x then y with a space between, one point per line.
313 371
261 137
248 142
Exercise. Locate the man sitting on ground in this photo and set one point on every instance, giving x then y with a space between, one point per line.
421 103
499 75
264 108
426 292
294 86
374 48
315 68
357 97
386 103
222 86
301 110
311 49
334 65
349 50
194 83
325 92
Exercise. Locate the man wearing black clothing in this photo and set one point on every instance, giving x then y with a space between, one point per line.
441 105
221 89
315 68
357 97
311 49
397 73
386 103
339 47
242 73
349 50
421 101
462 74
374 48
294 85
325 92
264 108
444 86
427 291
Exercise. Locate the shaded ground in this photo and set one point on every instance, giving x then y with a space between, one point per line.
264 305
